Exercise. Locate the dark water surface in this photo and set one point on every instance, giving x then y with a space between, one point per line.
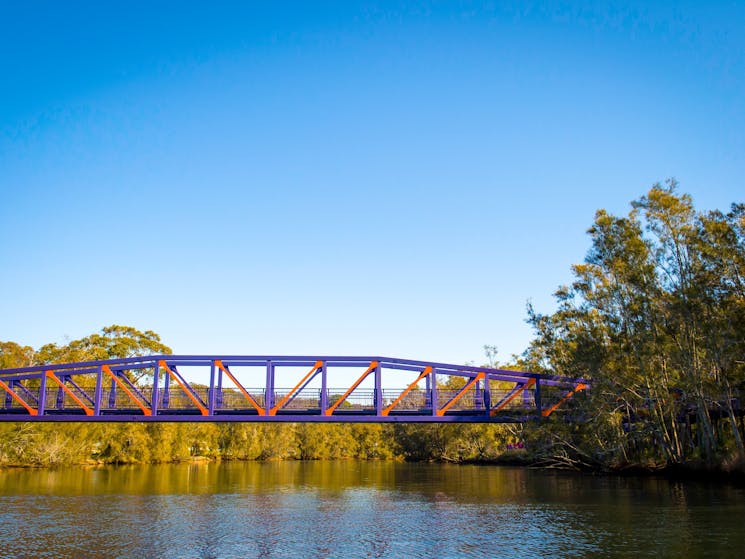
361 509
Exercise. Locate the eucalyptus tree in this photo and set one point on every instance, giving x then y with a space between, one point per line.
655 318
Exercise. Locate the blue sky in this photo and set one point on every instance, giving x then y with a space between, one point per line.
342 178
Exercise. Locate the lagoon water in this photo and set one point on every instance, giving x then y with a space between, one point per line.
360 509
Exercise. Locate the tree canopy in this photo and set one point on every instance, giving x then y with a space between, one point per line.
655 317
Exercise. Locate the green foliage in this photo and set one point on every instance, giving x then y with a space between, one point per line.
452 443
13 355
656 319
112 342
45 445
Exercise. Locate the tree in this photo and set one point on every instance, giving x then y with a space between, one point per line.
655 317
13 355
112 342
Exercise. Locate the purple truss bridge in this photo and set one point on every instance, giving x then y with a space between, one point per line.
280 388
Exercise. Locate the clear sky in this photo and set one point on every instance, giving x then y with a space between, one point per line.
342 178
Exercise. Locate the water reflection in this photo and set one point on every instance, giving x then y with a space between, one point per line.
360 509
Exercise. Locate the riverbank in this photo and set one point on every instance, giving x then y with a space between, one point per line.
688 472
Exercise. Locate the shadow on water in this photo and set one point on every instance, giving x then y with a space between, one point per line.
361 509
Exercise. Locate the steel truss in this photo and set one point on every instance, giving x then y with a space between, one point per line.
154 388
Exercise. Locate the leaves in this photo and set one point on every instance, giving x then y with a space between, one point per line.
112 342
656 318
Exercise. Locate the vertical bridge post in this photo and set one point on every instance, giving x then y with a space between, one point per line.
269 389
378 390
211 394
218 396
487 395
433 393
42 393
324 390
99 391
156 375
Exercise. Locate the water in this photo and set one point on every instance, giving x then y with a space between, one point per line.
360 509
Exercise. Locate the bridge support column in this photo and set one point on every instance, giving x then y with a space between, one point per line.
156 380
61 394
99 392
42 394
218 398
8 397
324 390
166 390
112 394
269 388
211 396
487 395
538 406
378 391
433 392
478 395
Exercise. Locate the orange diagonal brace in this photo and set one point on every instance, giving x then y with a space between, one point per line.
512 396
78 401
409 388
580 386
126 389
250 399
18 399
191 396
284 400
460 394
372 366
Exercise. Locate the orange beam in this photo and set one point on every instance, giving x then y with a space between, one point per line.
460 394
372 366
248 397
191 396
387 410
86 409
580 386
528 384
126 389
317 366
18 399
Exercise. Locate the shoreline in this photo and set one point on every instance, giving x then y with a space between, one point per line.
692 472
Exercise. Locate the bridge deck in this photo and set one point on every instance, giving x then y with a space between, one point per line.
246 388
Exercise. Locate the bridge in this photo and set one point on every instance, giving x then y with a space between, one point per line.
279 388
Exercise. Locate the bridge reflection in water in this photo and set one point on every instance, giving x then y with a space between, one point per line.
250 388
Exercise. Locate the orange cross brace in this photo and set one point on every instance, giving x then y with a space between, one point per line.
580 386
409 388
78 401
528 384
191 396
18 399
250 399
460 394
126 389
317 366
372 366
